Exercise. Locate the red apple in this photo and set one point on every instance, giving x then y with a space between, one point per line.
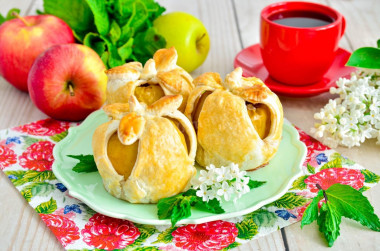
68 82
22 39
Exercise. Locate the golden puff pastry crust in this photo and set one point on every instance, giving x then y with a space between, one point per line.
163 163
238 120
160 76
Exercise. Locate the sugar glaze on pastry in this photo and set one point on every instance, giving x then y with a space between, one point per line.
238 120
160 76
145 153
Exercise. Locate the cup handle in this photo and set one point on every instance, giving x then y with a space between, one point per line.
343 26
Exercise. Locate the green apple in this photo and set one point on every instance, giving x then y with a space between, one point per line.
188 35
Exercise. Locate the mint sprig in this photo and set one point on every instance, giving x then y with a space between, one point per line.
118 30
179 206
341 201
366 57
86 163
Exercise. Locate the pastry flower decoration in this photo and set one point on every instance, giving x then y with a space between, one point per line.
238 120
160 76
145 153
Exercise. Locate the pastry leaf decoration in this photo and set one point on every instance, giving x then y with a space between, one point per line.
86 163
340 200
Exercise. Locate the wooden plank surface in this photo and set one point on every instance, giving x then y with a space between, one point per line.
233 25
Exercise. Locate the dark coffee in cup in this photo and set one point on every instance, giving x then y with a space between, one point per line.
301 19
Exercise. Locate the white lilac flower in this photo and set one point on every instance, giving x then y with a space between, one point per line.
221 183
354 116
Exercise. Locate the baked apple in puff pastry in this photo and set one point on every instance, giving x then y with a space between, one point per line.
237 121
159 77
146 153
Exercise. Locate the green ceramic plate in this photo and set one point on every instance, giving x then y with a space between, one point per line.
279 174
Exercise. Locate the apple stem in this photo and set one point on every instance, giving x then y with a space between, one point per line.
71 90
14 13
199 39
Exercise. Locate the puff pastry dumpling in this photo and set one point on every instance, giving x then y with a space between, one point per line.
160 76
145 153
238 120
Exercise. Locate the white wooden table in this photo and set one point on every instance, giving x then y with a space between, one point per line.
233 25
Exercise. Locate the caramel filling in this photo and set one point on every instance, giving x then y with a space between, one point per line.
122 157
198 108
260 117
148 93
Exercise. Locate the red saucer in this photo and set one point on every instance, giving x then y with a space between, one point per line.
250 60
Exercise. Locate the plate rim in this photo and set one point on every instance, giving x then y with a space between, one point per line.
295 139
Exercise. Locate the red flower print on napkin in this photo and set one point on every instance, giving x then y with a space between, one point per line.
330 176
214 235
46 127
7 157
38 156
63 228
310 142
109 233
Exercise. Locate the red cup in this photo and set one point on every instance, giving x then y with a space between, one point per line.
297 55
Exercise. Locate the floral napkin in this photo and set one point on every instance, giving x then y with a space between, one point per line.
26 158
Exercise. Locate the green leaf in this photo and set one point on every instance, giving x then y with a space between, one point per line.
363 189
310 168
166 236
353 204
255 183
9 15
145 232
329 221
345 161
34 176
115 32
299 184
98 8
86 163
370 177
378 43
125 51
263 218
365 57
27 195
212 206
336 163
28 141
18 174
290 201
232 246
38 189
311 212
76 13
94 41
47 207
247 229
60 136
146 43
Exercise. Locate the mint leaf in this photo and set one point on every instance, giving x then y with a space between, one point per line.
76 13
86 163
329 220
94 41
311 212
98 8
212 206
341 200
365 57
378 43
255 183
353 204
175 208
